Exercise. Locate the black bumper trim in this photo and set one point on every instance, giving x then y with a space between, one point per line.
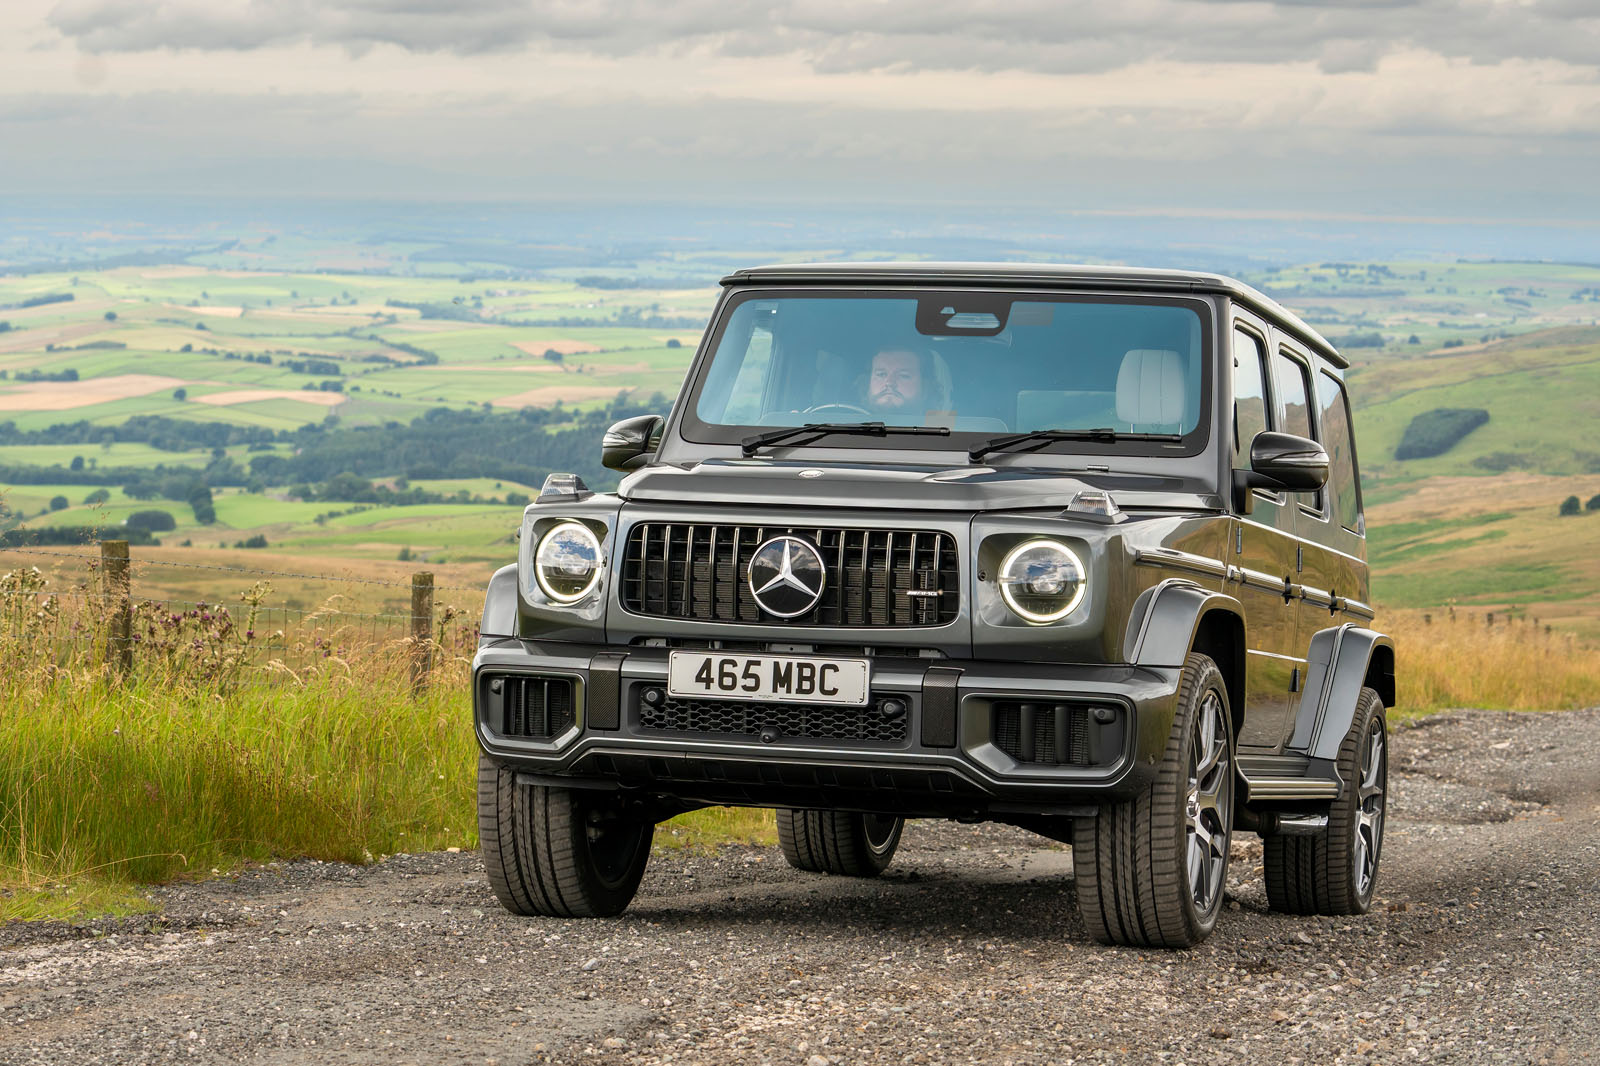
605 691
939 701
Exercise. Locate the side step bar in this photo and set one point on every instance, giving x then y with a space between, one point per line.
1289 788
1288 778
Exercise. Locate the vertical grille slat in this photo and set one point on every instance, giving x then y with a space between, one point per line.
697 572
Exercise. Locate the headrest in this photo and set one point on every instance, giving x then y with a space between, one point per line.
1150 388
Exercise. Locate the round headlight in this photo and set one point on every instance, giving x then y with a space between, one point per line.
1041 580
567 562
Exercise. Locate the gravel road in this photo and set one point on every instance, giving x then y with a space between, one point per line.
1484 946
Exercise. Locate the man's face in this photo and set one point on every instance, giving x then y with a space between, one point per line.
896 381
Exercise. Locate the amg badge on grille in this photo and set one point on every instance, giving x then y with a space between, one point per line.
786 576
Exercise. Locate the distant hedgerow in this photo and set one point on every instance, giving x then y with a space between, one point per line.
1436 432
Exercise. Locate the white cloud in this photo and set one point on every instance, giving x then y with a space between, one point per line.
1325 104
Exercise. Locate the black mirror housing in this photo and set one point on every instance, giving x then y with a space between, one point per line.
1280 462
631 443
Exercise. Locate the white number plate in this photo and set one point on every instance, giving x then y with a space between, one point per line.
778 678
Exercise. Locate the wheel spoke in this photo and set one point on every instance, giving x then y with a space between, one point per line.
1372 767
1213 744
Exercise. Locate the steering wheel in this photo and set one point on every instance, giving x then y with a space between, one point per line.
849 407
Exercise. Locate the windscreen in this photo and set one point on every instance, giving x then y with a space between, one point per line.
976 362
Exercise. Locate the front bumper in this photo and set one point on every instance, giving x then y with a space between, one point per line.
976 739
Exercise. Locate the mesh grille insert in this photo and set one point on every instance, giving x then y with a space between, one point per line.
803 721
693 571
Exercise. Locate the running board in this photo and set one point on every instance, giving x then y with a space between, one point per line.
1288 778
1289 788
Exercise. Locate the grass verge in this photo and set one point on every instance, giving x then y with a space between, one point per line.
1458 658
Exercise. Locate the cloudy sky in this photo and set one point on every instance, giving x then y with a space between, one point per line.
1469 109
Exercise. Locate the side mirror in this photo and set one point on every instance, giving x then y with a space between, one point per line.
631 443
1280 462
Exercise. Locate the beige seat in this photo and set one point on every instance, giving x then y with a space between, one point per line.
1150 390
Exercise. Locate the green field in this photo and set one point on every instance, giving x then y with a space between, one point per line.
189 328
1475 525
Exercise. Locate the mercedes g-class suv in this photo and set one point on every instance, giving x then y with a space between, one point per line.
1078 549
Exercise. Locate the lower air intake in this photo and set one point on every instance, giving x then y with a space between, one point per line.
535 708
1051 734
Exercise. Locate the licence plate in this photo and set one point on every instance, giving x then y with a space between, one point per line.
778 678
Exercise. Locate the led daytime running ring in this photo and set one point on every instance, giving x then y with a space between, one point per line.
538 571
1026 614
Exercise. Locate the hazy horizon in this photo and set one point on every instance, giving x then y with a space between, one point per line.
1468 114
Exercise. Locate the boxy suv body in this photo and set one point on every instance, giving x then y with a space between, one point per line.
1078 549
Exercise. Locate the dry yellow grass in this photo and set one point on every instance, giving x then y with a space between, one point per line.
1458 658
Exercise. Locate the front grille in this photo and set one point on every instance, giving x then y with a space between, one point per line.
698 572
802 721
1053 734
536 708
784 647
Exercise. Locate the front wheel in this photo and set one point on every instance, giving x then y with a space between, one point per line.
1335 871
559 852
1150 871
838 842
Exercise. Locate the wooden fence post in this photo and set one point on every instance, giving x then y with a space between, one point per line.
421 630
119 606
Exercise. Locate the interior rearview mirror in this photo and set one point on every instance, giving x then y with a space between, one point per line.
631 443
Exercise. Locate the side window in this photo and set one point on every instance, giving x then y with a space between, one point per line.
1344 482
1294 408
743 405
1249 396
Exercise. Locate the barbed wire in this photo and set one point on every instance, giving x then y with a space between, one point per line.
245 570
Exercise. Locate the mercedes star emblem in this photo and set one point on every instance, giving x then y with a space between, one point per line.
786 576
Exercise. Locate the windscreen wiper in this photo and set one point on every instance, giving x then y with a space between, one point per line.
1040 437
822 429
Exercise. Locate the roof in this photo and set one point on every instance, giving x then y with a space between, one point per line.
1047 275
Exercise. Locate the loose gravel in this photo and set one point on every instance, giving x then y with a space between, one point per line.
1483 946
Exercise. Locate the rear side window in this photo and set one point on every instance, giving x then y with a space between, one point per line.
1249 396
1294 408
1344 486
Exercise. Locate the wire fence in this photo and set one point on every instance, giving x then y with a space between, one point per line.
117 610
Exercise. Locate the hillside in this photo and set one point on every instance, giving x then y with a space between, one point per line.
1542 392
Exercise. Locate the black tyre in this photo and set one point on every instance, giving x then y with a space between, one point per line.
1150 871
838 842
564 853
1336 870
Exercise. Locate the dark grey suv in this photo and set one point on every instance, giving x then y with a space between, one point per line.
1078 549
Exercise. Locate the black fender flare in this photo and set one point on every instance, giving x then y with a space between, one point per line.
500 604
1339 661
1166 618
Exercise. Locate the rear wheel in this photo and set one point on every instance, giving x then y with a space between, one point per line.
1335 871
560 852
1150 871
838 842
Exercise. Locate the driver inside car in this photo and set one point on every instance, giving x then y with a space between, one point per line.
906 387
894 384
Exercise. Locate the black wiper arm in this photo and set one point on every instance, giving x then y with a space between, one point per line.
822 429
1040 437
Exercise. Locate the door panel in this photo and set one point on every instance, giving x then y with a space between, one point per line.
1263 558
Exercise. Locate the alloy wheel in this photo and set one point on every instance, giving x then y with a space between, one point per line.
1209 805
1370 797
